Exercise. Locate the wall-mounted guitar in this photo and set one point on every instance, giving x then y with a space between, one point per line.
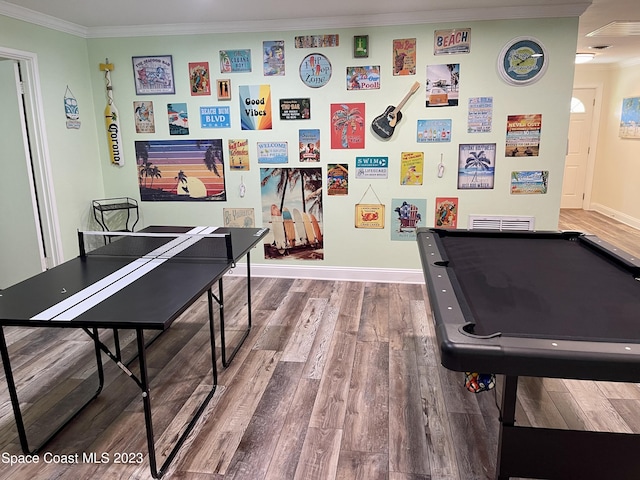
385 124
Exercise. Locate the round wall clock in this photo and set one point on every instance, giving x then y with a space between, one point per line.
315 70
522 61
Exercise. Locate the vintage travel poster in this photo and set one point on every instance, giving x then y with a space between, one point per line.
273 58
476 165
199 78
292 211
446 212
408 215
309 144
143 114
404 56
180 170
527 183
363 78
347 125
411 168
337 179
239 154
255 107
523 135
178 119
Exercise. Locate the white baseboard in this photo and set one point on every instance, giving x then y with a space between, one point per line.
621 217
347 274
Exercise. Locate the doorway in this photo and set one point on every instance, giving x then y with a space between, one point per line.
576 184
30 240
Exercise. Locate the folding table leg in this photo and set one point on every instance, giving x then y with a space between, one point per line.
15 403
227 361
143 383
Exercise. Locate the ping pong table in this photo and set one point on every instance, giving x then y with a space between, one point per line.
110 287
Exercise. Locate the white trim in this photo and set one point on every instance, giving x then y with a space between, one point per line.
40 151
619 216
28 167
345 274
300 24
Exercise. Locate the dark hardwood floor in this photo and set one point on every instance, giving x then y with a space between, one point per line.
337 380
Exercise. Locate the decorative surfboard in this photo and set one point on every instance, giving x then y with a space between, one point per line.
385 124
316 227
302 234
308 227
289 227
277 227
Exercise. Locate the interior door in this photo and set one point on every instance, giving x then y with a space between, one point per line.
21 251
575 167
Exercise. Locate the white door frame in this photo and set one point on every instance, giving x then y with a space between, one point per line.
37 148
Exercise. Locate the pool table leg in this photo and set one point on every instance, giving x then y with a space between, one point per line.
508 418
561 454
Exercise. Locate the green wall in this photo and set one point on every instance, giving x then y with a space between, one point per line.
80 158
74 154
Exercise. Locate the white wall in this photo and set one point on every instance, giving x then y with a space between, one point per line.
616 179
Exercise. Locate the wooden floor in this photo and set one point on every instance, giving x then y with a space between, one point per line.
337 380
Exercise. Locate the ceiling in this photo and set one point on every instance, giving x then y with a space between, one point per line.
115 18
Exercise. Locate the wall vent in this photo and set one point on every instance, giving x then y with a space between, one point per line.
500 222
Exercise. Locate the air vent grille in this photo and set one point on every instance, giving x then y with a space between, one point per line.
501 222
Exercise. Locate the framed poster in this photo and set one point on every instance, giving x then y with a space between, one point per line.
404 56
295 108
630 118
347 125
363 78
273 58
199 78
446 212
153 75
235 61
369 215
476 165
224 89
180 170
361 46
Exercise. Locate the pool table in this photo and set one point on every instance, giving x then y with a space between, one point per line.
542 304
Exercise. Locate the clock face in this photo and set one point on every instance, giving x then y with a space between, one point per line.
315 70
522 61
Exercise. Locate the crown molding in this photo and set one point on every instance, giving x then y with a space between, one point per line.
297 24
47 21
